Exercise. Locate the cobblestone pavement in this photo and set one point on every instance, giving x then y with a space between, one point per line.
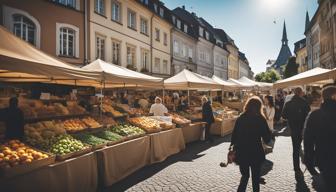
197 169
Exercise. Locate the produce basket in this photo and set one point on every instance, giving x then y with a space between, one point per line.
74 154
95 147
127 138
25 168
115 142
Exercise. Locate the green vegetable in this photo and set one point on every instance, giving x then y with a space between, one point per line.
64 144
90 139
108 135
127 130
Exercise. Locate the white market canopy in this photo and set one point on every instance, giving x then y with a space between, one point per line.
260 85
313 76
189 80
117 76
20 61
241 85
227 85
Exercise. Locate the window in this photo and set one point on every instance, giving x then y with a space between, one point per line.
155 7
157 34
183 51
186 28
165 67
144 58
207 35
67 42
174 19
100 7
165 39
131 19
144 26
176 48
161 12
157 65
130 55
190 52
69 3
116 11
179 24
201 31
100 47
145 2
24 28
116 52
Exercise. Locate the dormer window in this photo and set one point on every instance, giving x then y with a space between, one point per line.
161 12
201 31
186 28
155 7
179 24
207 37
174 19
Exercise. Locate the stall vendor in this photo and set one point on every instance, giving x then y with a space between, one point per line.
158 109
14 120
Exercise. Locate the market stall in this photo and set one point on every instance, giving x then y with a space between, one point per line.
260 85
193 131
225 118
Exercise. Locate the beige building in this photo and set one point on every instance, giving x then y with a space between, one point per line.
233 64
130 34
300 51
56 27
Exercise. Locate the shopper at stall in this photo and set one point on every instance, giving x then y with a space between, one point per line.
124 99
208 117
183 104
158 109
143 103
269 111
296 111
248 131
14 120
319 136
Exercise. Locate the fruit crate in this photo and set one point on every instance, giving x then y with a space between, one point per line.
100 146
87 149
127 138
115 142
21 169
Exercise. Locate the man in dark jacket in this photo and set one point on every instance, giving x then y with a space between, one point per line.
208 117
296 111
319 139
14 120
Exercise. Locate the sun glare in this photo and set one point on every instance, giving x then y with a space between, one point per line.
273 5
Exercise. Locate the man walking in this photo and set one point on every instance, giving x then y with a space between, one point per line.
208 117
296 111
319 139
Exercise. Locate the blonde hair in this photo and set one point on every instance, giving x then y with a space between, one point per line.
254 106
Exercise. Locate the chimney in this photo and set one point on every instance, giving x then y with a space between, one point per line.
183 7
194 14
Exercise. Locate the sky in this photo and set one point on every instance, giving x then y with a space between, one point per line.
255 25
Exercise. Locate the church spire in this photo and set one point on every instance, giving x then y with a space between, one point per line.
284 35
307 21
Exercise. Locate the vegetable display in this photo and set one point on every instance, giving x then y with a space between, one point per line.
90 139
127 130
108 135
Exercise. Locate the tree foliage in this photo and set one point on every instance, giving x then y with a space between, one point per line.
270 76
291 68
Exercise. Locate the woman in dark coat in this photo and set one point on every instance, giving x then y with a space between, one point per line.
208 117
249 129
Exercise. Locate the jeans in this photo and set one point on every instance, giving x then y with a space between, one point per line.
329 180
296 143
207 132
245 172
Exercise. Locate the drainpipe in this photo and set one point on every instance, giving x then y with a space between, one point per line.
85 32
151 45
171 51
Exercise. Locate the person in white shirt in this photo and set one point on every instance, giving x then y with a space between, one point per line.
158 109
269 111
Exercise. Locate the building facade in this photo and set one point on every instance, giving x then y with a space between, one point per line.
220 61
183 46
133 34
300 51
61 34
244 68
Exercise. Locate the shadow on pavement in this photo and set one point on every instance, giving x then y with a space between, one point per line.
266 167
191 153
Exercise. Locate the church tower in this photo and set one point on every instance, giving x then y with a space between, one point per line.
284 53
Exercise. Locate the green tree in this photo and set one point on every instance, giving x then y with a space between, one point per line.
270 76
291 68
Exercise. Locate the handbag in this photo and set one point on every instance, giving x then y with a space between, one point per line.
231 157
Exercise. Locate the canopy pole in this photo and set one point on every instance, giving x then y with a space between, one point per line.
101 99
188 97
222 98
163 95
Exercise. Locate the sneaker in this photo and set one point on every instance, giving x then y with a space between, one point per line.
262 181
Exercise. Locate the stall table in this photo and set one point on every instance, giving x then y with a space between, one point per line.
118 161
165 144
76 174
192 132
223 127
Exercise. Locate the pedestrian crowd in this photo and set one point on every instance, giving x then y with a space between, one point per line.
315 128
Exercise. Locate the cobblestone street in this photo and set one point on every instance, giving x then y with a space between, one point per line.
197 169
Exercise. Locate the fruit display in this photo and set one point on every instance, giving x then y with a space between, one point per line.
108 135
36 133
127 130
65 144
74 108
146 123
217 106
14 153
178 119
90 139
131 111
109 109
226 113
74 125
91 123
105 120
